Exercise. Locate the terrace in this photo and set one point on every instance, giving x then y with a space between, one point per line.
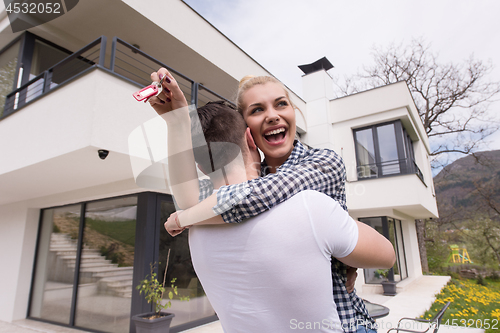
125 61
412 301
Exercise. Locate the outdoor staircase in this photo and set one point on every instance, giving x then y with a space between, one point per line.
94 268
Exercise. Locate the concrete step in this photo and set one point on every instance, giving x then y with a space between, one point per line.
95 269
63 247
93 264
118 278
112 271
70 260
121 284
72 251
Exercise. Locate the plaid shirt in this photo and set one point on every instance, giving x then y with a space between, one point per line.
314 169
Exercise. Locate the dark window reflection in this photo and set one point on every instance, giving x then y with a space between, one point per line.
384 150
181 268
392 230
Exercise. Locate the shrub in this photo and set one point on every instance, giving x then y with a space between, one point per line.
480 280
494 276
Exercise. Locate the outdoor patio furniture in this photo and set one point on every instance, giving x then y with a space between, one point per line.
433 323
375 310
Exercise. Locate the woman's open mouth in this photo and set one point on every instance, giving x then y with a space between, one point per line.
276 137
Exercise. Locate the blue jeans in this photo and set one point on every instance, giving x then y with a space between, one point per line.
364 329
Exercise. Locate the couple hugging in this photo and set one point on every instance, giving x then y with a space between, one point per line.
286 265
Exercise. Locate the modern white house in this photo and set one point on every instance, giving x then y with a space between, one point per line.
386 151
76 231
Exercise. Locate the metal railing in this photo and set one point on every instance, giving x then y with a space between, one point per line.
136 66
61 73
390 168
126 61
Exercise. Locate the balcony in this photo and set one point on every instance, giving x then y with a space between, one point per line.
125 61
55 123
390 188
390 168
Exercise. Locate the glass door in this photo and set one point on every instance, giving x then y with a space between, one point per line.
181 268
391 229
84 265
52 290
107 265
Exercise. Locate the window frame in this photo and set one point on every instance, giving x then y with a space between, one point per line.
147 238
398 243
24 60
404 148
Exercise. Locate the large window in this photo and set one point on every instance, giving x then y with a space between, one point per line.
8 67
27 58
84 265
91 255
181 268
391 229
44 56
384 150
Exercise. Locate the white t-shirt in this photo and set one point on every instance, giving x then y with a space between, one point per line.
272 273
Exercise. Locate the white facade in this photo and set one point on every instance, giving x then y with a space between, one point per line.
49 147
405 197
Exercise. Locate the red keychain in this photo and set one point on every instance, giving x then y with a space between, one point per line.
154 89
147 92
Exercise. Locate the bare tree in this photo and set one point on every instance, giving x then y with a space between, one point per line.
452 99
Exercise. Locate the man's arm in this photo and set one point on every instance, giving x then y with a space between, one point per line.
372 250
353 243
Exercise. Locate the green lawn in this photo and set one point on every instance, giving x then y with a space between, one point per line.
123 231
472 305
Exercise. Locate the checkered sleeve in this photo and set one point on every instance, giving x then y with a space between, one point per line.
206 189
320 169
350 307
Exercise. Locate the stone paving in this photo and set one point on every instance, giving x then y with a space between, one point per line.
412 300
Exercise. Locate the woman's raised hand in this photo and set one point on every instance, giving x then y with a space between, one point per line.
171 97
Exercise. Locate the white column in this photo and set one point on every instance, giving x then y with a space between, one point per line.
18 230
318 91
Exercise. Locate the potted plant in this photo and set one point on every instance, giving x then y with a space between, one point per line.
157 321
388 282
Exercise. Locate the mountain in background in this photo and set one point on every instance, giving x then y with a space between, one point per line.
469 187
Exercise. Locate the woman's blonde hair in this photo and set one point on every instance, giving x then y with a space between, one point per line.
250 81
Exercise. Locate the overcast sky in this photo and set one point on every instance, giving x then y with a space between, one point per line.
282 34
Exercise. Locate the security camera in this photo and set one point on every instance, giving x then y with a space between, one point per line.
103 153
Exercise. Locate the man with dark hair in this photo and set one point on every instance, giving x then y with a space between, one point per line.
223 130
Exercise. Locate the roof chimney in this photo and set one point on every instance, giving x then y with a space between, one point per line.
320 64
